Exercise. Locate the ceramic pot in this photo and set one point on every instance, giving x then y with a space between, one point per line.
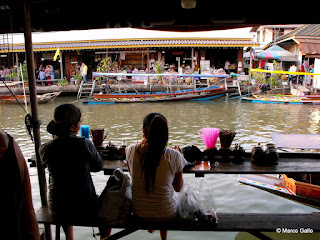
258 155
272 155
98 136
209 154
238 154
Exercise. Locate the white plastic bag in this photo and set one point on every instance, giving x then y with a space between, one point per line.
116 199
197 204
188 206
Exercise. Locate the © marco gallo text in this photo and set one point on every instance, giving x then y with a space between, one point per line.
294 230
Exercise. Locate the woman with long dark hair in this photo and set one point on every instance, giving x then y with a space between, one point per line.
156 172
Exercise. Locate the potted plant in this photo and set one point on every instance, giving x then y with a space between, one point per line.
63 82
105 66
159 65
77 78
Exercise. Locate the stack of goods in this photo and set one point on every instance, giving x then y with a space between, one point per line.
219 71
266 157
226 138
112 152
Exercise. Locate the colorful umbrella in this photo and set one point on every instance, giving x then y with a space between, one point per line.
268 55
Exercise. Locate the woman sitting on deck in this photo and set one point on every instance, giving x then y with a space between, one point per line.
156 172
70 159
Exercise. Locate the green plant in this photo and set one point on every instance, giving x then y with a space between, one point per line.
259 77
24 72
105 65
14 75
159 65
77 76
63 82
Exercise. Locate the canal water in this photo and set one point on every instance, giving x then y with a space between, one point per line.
252 122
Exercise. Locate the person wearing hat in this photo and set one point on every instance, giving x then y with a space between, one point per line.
70 159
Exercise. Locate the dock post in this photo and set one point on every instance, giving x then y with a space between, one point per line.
34 111
239 88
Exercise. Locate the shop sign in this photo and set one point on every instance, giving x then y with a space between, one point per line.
175 53
48 56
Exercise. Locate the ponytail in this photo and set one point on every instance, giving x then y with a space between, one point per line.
156 133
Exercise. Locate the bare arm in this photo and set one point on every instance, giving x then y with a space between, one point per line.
178 181
31 220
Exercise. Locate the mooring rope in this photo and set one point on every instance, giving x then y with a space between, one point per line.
28 118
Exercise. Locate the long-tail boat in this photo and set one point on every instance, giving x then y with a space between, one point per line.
285 186
207 93
182 95
291 99
44 98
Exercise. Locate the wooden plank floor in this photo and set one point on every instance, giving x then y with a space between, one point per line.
261 222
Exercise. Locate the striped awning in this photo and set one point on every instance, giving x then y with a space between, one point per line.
83 45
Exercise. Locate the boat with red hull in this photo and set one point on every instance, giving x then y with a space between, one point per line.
44 98
277 98
182 95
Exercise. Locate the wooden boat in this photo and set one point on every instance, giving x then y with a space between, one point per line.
44 98
305 193
182 95
291 99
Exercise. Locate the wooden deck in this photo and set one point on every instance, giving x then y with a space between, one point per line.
254 223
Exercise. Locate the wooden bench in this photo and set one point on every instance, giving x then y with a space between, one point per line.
253 223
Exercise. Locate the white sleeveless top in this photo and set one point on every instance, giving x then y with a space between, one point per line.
159 203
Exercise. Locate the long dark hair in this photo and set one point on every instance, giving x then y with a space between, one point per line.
156 132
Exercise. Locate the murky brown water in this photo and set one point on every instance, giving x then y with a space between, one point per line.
252 122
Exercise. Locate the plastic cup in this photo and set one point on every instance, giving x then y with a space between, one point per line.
85 131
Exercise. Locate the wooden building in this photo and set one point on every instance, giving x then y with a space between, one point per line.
137 48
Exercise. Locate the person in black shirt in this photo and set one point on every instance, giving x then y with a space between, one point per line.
70 159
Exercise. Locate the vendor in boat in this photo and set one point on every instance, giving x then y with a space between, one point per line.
156 172
17 210
70 159
105 88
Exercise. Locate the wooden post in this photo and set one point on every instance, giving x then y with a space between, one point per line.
250 67
148 66
61 65
34 110
192 63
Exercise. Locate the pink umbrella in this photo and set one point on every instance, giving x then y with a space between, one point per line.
268 55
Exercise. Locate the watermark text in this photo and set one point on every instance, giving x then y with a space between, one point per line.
294 230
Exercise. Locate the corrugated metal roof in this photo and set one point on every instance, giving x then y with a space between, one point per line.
135 43
309 46
307 30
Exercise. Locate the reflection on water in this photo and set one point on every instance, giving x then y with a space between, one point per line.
314 120
252 122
